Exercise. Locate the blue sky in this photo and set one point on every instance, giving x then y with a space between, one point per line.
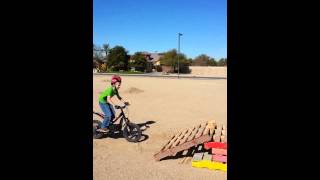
153 25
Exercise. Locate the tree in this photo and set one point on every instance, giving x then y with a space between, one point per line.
106 49
222 62
170 58
118 58
139 61
97 52
97 56
190 61
212 62
202 60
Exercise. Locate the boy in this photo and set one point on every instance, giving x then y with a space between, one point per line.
106 103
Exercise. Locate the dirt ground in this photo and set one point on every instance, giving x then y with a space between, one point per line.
208 71
170 105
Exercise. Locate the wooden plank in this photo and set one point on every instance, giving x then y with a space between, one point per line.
217 134
185 152
175 151
216 138
207 130
185 138
158 156
223 132
180 138
192 151
199 148
223 138
182 161
171 138
212 124
193 134
188 159
174 137
165 147
172 141
212 131
188 155
219 127
189 144
201 129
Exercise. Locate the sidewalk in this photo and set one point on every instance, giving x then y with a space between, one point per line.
160 75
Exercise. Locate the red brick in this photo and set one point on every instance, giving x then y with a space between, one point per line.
219 151
219 145
219 158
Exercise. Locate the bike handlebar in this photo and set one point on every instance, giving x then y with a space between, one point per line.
121 107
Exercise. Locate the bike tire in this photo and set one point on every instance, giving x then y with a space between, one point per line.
132 132
96 125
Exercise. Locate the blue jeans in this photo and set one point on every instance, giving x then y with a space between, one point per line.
108 111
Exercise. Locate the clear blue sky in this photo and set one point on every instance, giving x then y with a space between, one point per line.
153 25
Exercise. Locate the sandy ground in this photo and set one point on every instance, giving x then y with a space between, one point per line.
173 105
208 71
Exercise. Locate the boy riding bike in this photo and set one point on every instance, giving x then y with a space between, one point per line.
106 104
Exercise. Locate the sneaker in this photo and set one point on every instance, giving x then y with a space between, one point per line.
103 130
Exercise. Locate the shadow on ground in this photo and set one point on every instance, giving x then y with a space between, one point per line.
143 127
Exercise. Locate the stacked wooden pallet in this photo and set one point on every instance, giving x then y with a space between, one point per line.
187 139
216 158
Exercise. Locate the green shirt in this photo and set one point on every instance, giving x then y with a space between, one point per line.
107 92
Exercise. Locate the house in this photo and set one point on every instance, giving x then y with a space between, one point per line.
154 58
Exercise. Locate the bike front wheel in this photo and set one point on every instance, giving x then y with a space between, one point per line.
132 132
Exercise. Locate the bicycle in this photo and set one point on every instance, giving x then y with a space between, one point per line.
130 131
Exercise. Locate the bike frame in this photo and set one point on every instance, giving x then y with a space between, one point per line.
121 115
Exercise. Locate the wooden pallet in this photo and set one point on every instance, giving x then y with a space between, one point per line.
219 145
188 154
219 138
220 134
187 139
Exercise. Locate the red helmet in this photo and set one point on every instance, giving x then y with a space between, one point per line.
115 79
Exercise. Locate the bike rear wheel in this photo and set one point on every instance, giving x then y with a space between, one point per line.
97 122
132 132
